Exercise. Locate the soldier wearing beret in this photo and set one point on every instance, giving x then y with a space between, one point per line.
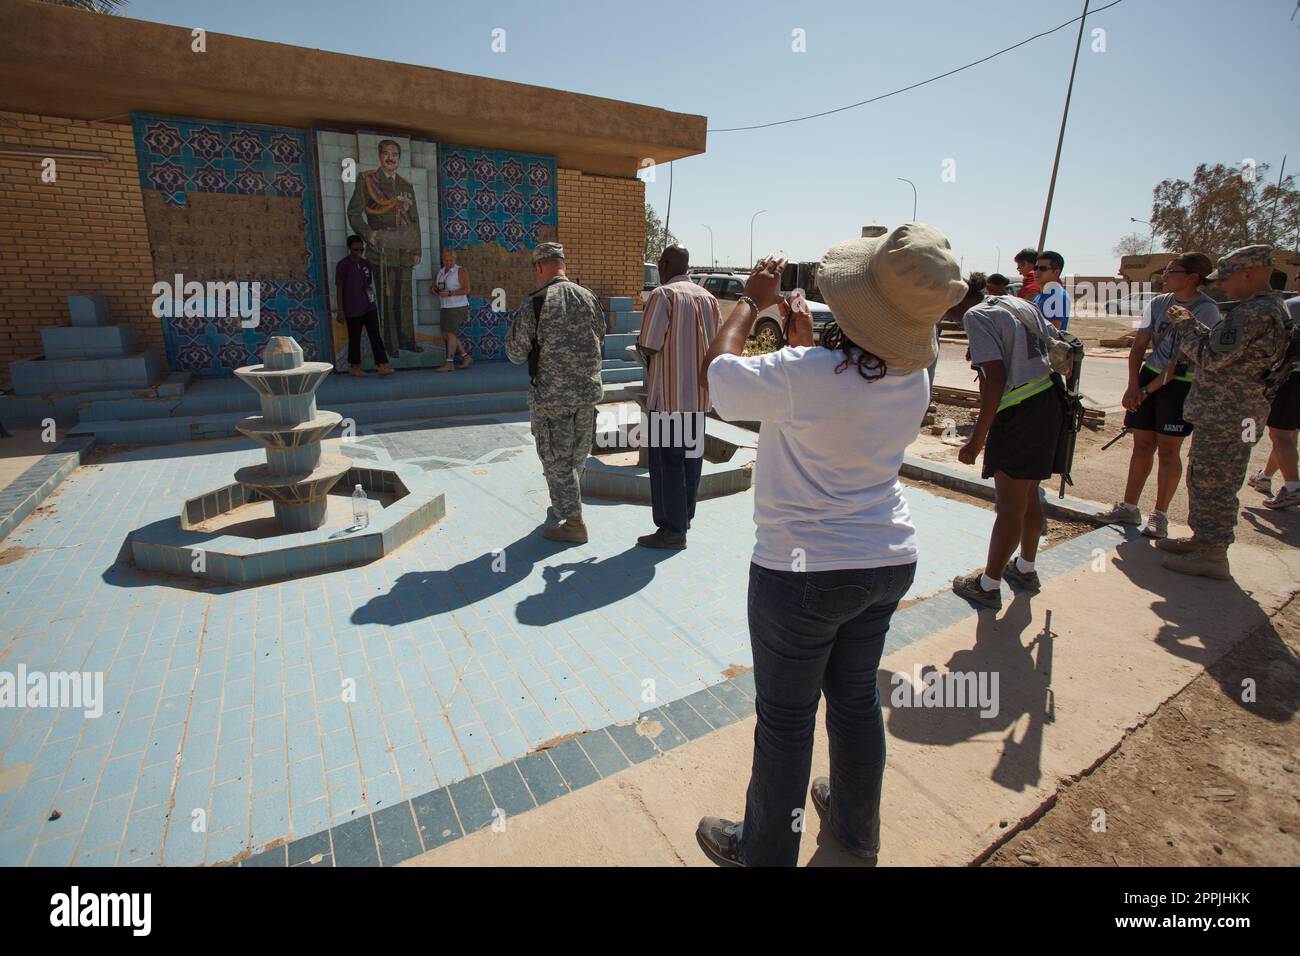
563 326
1226 403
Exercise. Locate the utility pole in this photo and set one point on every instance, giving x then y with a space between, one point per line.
712 257
913 185
751 236
1060 140
1151 230
1273 219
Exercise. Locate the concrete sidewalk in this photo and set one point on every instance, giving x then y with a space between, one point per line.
1125 636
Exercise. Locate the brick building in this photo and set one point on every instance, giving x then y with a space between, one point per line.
142 156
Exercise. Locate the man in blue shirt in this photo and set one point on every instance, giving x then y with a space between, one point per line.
1053 301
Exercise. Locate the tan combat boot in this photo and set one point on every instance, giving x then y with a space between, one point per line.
1179 545
1209 561
571 530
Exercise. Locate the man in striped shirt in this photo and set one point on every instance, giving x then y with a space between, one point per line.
679 322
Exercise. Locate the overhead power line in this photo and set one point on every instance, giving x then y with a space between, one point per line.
876 99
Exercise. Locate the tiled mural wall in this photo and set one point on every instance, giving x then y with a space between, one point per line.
234 202
495 207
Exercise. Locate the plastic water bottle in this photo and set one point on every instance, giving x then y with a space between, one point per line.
360 508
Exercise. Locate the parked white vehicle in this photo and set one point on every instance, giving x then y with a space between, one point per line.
1133 304
767 328
650 282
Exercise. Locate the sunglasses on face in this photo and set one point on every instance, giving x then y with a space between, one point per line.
1044 268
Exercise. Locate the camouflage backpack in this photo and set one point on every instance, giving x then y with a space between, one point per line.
1289 356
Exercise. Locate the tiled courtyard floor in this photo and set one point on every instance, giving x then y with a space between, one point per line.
225 727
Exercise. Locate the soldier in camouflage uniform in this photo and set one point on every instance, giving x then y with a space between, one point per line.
1227 404
569 333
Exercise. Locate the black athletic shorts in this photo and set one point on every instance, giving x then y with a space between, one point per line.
1161 412
1285 414
1022 441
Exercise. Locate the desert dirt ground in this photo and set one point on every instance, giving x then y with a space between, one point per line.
1209 779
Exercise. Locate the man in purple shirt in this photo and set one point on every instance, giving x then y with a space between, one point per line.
356 296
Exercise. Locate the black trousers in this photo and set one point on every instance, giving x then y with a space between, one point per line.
370 321
674 482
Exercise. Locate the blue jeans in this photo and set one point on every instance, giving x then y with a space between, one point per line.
812 633
675 482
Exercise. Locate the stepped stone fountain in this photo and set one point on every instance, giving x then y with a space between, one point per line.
224 534
296 476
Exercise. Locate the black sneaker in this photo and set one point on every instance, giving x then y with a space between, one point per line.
968 586
717 838
821 798
1026 580
668 540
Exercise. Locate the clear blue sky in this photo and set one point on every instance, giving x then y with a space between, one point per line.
1180 82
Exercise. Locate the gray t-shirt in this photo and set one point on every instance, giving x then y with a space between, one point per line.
997 336
1155 318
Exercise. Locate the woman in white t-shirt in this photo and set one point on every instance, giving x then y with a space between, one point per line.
835 549
452 287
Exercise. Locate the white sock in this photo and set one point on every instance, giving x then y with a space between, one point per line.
990 584
1291 486
1129 504
1159 514
1023 566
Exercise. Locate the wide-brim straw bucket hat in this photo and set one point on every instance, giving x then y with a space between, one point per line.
888 293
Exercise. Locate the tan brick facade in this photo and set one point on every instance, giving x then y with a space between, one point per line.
602 226
83 233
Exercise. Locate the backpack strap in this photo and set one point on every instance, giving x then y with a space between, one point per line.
535 350
1026 313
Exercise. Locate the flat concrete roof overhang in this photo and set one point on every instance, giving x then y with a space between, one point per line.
57 61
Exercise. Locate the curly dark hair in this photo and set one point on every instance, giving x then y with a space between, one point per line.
870 367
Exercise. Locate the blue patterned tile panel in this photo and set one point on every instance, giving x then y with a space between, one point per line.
176 157
492 196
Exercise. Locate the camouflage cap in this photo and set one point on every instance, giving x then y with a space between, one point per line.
1247 257
548 250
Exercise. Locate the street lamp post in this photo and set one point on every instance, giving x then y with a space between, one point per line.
711 257
998 270
913 185
1152 247
751 235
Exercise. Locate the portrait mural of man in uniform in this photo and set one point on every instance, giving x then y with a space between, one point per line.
383 211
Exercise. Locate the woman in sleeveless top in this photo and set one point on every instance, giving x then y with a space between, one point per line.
452 286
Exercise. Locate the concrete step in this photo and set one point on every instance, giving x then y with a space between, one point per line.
64 407
152 431
628 372
623 322
211 396
617 343
42 376
623 392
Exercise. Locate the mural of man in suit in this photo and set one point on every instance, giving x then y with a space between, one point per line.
383 210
